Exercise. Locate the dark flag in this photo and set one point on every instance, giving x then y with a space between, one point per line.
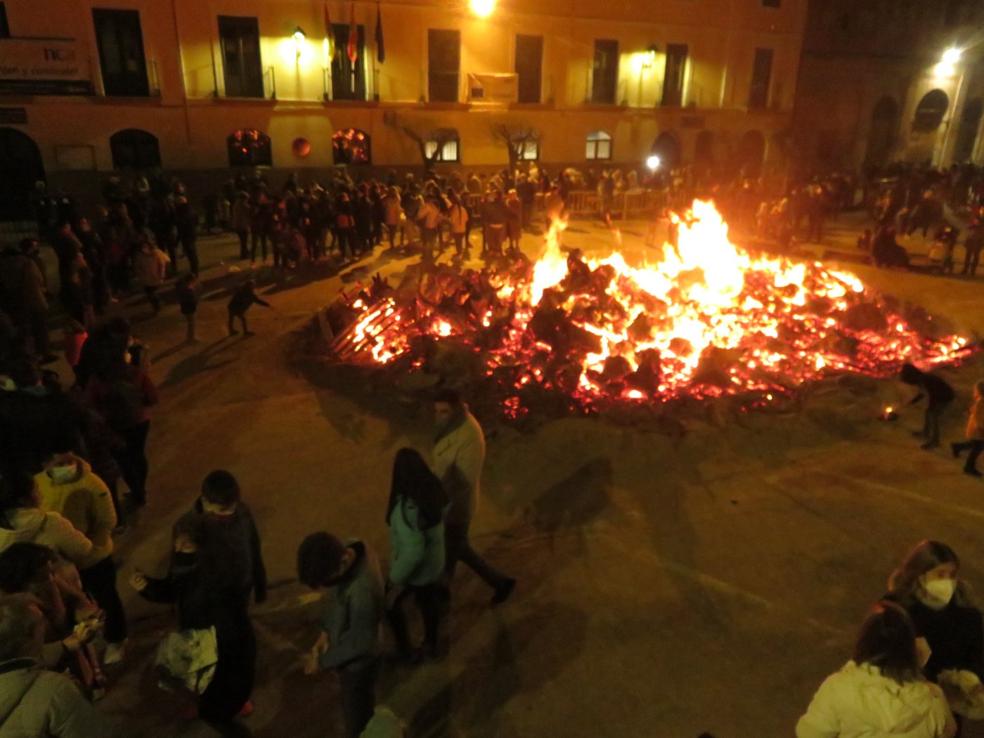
380 47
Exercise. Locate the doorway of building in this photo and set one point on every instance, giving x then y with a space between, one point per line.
883 132
20 162
970 123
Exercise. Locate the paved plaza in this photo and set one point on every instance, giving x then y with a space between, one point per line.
672 580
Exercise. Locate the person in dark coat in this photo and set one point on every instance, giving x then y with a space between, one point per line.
242 300
186 220
217 563
928 585
939 395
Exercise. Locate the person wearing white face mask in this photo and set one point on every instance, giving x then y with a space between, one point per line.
928 586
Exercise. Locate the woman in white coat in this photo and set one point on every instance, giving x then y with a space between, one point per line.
881 692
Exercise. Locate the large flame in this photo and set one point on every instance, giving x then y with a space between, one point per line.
705 317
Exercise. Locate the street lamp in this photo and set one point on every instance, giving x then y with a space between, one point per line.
299 37
947 66
652 162
482 8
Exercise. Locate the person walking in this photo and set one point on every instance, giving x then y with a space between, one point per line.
415 517
33 700
881 691
975 433
186 220
939 395
459 454
150 268
392 214
216 565
68 486
186 291
458 220
349 641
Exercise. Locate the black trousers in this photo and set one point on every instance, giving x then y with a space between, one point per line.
190 249
152 298
235 673
457 547
243 244
971 261
975 447
358 684
132 459
99 580
429 600
931 423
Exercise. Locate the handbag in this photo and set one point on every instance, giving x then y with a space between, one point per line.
186 660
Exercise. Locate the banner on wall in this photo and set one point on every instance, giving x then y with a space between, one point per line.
33 66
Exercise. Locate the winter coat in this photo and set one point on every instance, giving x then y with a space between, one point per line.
459 454
458 216
35 703
150 267
123 402
858 702
352 613
392 210
975 423
31 525
86 503
241 216
416 554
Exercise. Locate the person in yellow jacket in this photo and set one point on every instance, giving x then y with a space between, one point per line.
70 487
974 433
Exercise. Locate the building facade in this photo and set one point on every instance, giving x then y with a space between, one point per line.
891 80
197 87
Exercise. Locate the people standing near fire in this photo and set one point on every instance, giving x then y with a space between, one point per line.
415 517
458 458
939 395
881 690
349 641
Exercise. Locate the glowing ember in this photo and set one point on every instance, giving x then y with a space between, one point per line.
706 319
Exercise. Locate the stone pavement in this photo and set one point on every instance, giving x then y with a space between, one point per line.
667 585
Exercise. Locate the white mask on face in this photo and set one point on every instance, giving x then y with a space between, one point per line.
941 590
62 474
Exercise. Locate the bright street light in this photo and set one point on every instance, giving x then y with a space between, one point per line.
482 8
653 162
298 37
951 56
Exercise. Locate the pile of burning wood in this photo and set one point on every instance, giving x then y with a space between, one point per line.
703 319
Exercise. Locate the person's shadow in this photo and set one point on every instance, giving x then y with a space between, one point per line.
197 363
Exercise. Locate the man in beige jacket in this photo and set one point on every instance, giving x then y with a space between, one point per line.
459 454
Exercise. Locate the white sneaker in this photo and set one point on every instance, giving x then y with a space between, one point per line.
115 653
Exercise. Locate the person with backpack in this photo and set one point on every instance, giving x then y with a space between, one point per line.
216 565
415 516
69 487
33 700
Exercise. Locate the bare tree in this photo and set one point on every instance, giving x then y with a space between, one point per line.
516 140
439 137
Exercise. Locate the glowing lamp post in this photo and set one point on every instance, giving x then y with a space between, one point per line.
652 162
947 65
298 37
482 8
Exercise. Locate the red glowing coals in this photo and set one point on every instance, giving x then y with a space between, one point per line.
705 319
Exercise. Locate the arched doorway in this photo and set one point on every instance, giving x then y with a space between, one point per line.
970 123
667 148
930 111
135 149
21 168
751 153
883 132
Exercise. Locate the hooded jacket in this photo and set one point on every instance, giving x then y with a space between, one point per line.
858 702
33 525
86 503
459 454
352 613
43 704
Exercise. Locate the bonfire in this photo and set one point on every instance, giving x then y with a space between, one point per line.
700 318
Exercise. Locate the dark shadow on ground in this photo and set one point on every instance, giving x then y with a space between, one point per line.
198 363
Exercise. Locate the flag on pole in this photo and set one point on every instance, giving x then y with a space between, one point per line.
380 47
353 40
329 35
